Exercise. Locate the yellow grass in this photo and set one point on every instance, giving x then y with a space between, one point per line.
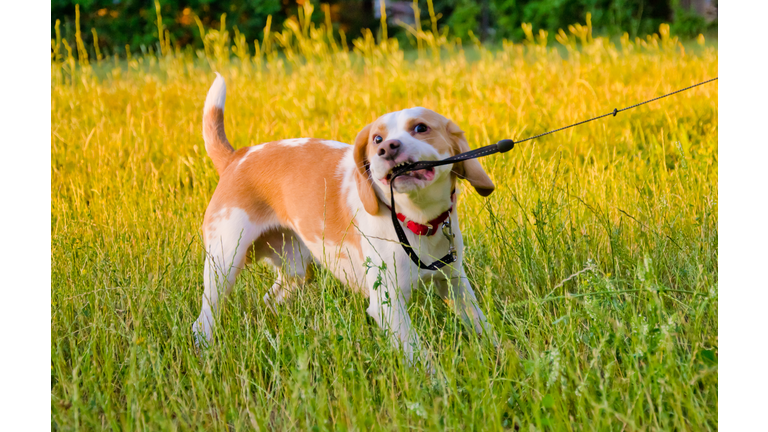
632 198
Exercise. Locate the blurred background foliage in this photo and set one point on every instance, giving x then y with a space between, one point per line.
133 23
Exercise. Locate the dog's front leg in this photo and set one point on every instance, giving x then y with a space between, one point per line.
460 294
388 308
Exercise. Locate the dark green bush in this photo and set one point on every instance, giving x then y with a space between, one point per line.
134 22
688 23
637 17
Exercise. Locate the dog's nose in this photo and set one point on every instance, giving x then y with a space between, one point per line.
389 149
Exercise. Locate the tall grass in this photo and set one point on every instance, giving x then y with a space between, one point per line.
595 259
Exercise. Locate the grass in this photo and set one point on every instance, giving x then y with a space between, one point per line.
595 259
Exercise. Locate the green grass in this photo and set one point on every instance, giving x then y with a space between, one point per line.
595 259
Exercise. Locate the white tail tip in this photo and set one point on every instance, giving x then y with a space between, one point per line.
216 95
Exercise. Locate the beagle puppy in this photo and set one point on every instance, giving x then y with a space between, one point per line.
296 202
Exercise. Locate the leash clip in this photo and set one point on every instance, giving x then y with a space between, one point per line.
448 233
505 145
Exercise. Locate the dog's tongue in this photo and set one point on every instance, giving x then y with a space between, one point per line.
424 174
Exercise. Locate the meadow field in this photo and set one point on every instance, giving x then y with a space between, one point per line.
595 259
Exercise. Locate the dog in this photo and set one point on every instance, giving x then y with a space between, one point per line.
299 202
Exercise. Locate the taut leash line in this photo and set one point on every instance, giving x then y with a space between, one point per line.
502 146
616 111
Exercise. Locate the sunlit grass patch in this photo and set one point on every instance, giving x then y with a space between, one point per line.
623 210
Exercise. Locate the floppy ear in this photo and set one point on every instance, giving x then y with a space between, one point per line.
470 169
363 174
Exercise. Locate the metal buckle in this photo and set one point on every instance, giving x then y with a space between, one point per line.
448 233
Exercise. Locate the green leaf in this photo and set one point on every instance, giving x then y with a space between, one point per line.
708 357
548 401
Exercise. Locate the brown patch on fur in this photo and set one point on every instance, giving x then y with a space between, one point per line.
438 135
470 169
216 143
296 186
363 175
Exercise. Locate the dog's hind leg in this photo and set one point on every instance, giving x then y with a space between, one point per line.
227 239
292 261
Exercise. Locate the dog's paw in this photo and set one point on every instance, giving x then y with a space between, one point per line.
270 304
199 336
430 369
427 361
437 380
494 338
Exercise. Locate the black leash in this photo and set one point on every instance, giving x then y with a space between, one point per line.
502 146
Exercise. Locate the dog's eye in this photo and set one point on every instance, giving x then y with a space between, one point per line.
377 139
420 128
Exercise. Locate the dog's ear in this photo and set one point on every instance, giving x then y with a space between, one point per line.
363 174
470 169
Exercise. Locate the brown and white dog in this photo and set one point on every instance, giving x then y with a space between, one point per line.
301 201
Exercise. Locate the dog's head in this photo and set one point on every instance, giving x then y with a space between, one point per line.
410 135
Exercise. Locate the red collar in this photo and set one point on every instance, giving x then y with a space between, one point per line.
431 227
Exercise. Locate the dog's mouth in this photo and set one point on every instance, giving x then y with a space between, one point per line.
426 174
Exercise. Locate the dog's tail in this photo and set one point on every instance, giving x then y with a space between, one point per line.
216 143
